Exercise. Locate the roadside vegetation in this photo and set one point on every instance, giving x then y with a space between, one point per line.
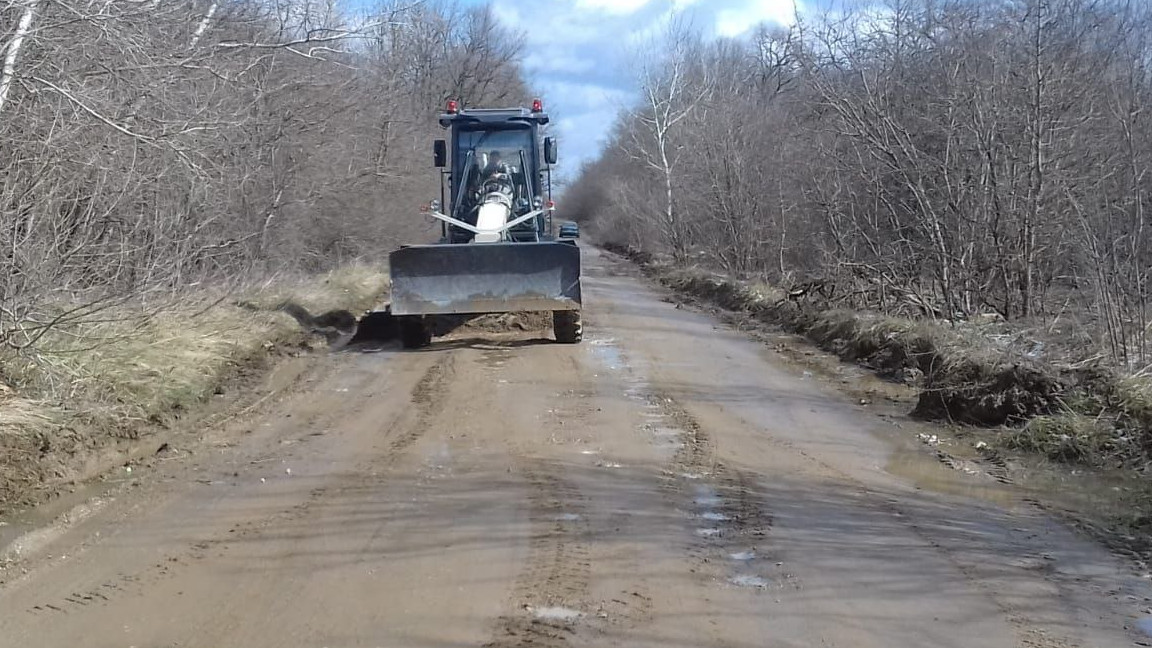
94 385
161 164
954 193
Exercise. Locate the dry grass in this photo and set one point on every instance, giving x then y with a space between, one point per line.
1134 400
23 416
1066 437
138 366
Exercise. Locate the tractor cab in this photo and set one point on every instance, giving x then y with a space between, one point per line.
499 155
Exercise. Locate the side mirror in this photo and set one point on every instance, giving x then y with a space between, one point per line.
440 153
550 150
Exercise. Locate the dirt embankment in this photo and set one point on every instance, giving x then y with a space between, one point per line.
93 394
1088 415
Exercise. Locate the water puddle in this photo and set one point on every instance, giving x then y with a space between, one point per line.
494 357
636 392
928 472
609 464
567 517
556 613
439 456
715 517
706 496
708 500
708 532
742 556
23 532
606 351
1145 625
748 580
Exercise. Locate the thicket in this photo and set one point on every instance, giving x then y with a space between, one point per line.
147 148
938 159
162 161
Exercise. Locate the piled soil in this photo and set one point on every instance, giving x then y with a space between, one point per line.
505 322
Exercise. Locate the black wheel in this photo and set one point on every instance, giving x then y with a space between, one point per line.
567 327
414 333
376 326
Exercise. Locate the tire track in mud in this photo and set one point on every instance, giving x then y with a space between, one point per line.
1027 633
730 509
748 522
136 583
550 596
727 502
427 396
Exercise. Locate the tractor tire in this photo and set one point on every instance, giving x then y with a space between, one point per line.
414 333
567 327
376 326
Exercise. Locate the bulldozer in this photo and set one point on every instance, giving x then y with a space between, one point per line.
497 252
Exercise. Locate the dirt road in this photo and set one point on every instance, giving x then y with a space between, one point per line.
667 483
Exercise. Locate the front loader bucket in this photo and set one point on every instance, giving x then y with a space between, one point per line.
485 278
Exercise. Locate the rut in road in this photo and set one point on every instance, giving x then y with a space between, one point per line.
553 587
743 526
426 399
731 508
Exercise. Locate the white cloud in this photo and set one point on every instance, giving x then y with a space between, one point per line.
565 63
578 54
575 57
736 21
613 6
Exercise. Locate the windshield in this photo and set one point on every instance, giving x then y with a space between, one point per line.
486 159
492 147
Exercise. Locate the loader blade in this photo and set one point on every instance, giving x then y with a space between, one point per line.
485 278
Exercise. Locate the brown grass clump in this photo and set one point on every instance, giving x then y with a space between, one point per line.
139 365
1067 437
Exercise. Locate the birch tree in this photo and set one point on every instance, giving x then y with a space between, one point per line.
672 85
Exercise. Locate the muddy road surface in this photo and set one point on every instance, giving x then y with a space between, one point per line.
667 483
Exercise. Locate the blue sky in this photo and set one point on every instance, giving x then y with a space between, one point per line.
577 53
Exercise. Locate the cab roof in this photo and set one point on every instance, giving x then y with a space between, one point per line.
493 116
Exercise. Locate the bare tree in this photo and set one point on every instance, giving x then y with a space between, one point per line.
673 85
940 158
146 147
